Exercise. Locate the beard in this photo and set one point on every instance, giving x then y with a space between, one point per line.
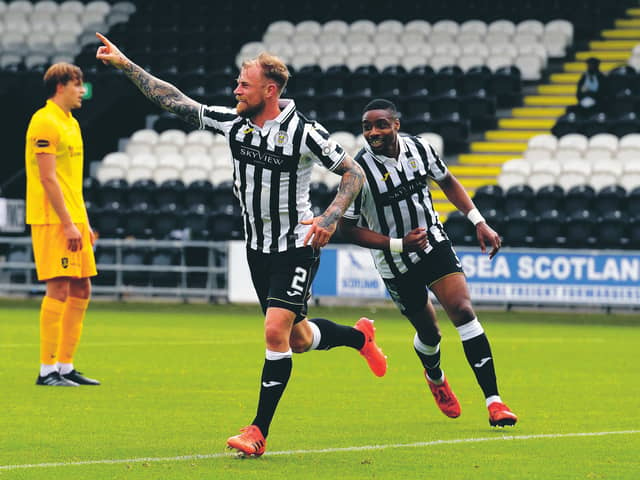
249 111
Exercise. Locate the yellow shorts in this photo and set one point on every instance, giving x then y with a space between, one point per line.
53 258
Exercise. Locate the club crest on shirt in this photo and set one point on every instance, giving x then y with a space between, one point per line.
413 164
247 130
42 143
65 262
281 138
328 148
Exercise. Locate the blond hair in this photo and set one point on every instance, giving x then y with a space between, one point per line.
272 68
60 73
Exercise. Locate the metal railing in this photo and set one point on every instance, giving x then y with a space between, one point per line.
184 278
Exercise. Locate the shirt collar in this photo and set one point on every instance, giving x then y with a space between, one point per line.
287 107
56 108
383 158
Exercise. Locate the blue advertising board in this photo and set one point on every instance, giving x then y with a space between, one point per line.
527 276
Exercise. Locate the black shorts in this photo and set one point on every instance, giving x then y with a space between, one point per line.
284 279
409 291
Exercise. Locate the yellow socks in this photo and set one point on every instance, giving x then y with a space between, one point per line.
50 319
71 328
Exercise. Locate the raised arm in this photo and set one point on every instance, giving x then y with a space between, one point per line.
457 195
324 226
162 93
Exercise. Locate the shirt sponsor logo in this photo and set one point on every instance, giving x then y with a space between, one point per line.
262 158
403 191
42 143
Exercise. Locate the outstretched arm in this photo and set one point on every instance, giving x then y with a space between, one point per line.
162 93
324 226
457 195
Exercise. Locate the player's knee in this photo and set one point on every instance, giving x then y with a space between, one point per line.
462 312
274 337
80 288
299 345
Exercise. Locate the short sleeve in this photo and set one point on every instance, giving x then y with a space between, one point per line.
327 151
44 136
436 168
218 119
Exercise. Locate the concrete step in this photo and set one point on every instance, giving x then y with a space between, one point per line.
633 12
526 123
474 170
512 135
579 67
627 23
550 100
622 34
605 56
561 89
498 147
485 158
626 45
538 112
571 78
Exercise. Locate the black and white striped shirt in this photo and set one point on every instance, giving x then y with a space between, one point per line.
395 199
272 171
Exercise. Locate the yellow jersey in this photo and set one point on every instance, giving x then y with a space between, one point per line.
51 130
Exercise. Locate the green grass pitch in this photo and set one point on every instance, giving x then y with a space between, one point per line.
179 379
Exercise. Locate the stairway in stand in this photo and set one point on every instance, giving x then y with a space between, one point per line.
539 112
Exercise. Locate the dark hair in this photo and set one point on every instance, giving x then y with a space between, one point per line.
381 104
60 73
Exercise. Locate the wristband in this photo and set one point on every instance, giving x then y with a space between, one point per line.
395 245
475 216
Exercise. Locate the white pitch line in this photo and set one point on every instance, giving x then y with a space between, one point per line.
361 448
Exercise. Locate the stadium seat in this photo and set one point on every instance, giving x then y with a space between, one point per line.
480 110
107 220
133 259
578 198
489 197
633 231
164 257
164 221
549 197
574 172
610 198
612 230
517 229
105 258
519 197
548 230
196 222
459 229
580 227
566 124
137 221
505 84
226 225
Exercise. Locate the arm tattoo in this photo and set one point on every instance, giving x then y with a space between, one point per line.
350 186
163 94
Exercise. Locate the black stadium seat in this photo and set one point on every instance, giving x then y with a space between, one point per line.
519 197
459 229
517 230
610 198
488 197
580 229
549 197
611 231
578 198
548 230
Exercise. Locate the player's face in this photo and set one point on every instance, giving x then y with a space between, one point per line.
380 130
250 92
71 93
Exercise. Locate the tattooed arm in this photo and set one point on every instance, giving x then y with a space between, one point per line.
162 93
324 226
